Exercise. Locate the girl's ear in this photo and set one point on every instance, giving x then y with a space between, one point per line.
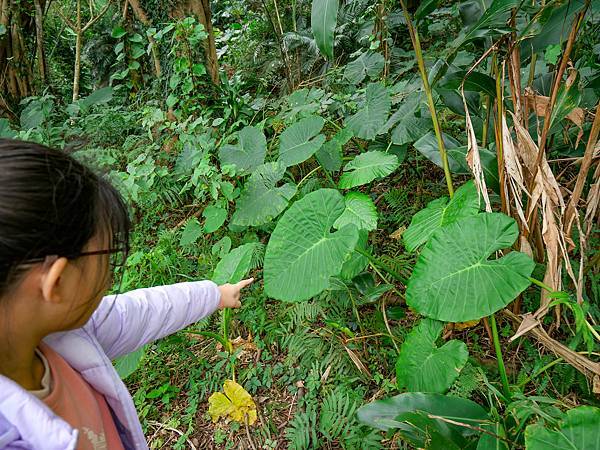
51 280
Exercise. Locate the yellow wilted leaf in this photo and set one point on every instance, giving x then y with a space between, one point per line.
235 404
464 325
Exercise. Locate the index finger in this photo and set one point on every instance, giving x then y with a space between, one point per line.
242 284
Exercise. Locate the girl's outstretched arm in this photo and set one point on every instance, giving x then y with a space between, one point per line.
125 322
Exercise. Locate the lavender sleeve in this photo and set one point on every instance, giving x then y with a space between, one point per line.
125 322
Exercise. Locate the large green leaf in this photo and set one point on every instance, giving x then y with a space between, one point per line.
235 265
476 82
191 232
5 129
300 141
493 19
489 164
408 413
250 151
127 364
360 211
330 154
422 366
425 7
490 441
303 253
372 113
323 19
214 218
367 167
357 261
261 200
579 431
439 213
367 64
428 147
453 279
410 129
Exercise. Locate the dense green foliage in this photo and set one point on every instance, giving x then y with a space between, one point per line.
315 163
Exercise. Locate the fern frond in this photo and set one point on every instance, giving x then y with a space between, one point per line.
301 431
337 414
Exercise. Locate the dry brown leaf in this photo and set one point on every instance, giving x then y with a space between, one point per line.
540 103
473 158
397 235
357 362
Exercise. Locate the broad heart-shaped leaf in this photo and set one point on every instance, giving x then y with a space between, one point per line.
579 431
323 19
300 141
360 211
382 414
439 213
330 154
250 151
214 218
234 403
367 167
368 63
235 265
302 253
422 366
410 129
453 279
372 113
261 200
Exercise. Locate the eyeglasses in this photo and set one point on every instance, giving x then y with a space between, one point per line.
117 257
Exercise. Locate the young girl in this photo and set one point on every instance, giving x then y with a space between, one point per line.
62 232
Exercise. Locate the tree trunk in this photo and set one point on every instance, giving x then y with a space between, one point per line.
201 8
78 43
39 34
140 14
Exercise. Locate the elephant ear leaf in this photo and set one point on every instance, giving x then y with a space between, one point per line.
301 140
367 167
372 113
439 213
455 281
323 20
367 64
262 200
235 265
424 367
302 243
360 211
249 153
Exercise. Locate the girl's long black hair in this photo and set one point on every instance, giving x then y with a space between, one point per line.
51 204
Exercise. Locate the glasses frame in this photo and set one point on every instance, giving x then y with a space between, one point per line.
109 251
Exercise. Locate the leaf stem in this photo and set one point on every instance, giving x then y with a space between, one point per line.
501 367
414 37
308 175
